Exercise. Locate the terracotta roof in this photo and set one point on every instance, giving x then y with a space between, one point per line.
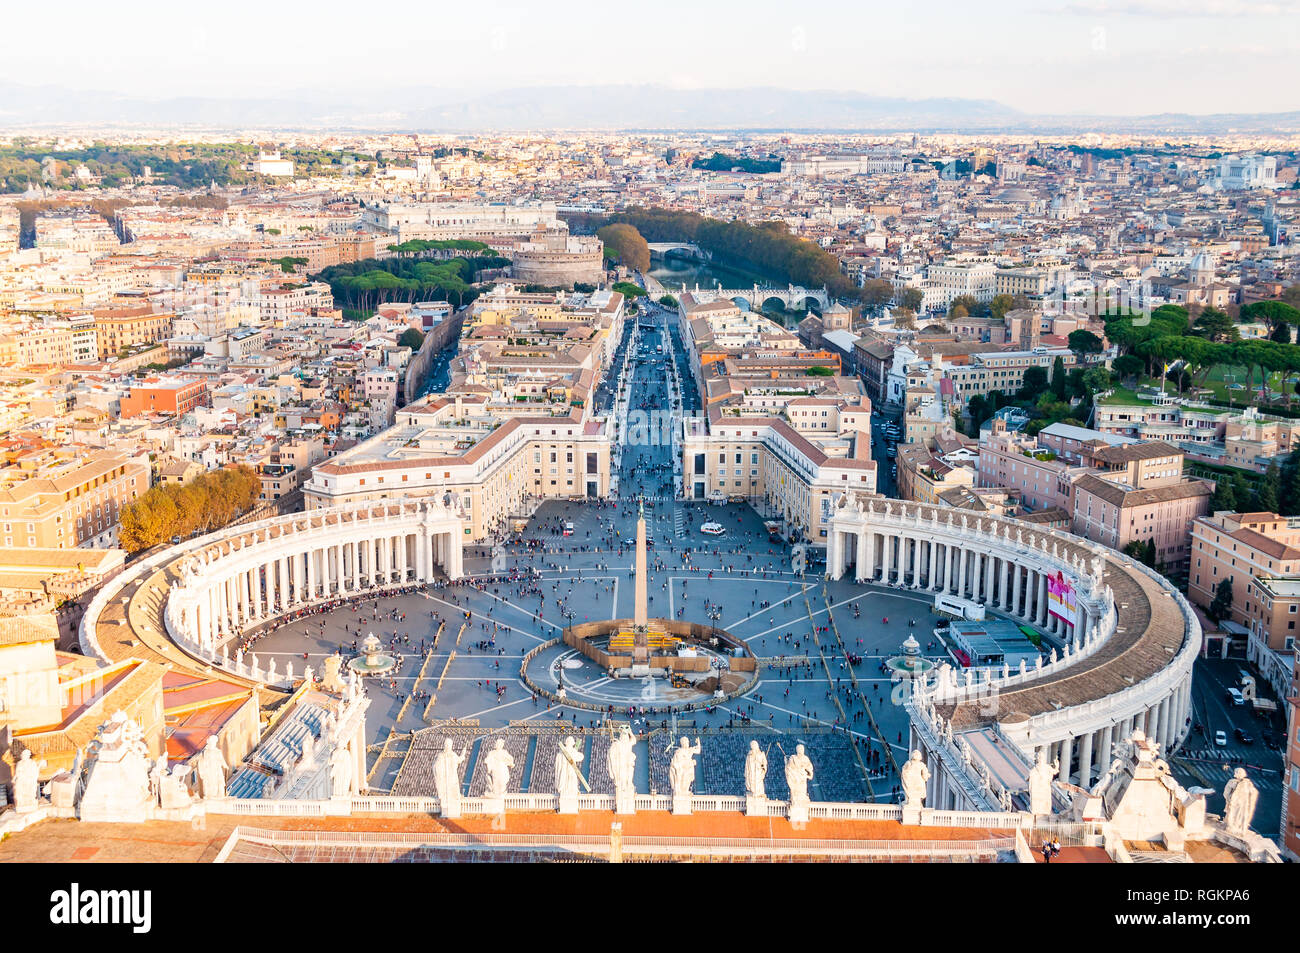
1119 495
1128 452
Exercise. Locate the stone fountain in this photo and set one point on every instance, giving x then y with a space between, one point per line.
372 661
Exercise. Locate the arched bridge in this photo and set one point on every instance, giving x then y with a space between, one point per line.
792 297
678 249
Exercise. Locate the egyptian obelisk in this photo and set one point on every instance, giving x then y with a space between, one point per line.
640 614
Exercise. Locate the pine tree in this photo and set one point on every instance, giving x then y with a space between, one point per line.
1266 498
1221 607
1290 495
1224 498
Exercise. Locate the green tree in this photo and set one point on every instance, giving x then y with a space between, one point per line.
818 370
912 299
1096 379
1058 378
412 338
1275 314
967 302
1083 341
668 301
1224 497
1001 304
1221 606
1128 365
978 409
1290 493
875 292
1034 383
1215 325
1269 490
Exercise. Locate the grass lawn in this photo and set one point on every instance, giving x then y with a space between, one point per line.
1220 382
1123 395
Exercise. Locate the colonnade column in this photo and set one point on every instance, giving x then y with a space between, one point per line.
1041 614
1085 760
1107 739
930 581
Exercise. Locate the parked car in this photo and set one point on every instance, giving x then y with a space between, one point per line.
1220 739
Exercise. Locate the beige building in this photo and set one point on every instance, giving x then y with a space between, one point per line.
1142 497
1259 553
494 464
117 330
791 459
67 498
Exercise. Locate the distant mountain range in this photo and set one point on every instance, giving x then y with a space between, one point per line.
625 107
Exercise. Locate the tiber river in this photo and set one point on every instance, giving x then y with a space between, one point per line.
679 274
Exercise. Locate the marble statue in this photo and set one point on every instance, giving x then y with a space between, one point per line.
174 788
498 764
1239 798
331 681
798 772
567 760
621 762
27 774
212 770
156 775
755 771
308 756
117 779
914 777
681 770
1040 784
341 765
446 778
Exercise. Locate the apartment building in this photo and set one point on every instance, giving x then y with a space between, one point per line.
117 329
165 395
65 498
1259 554
1142 496
1004 370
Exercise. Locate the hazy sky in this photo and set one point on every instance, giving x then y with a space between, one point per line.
1111 56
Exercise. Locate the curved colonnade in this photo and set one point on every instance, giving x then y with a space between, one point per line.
245 576
1125 663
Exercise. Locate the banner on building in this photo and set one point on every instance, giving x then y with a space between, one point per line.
1060 599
